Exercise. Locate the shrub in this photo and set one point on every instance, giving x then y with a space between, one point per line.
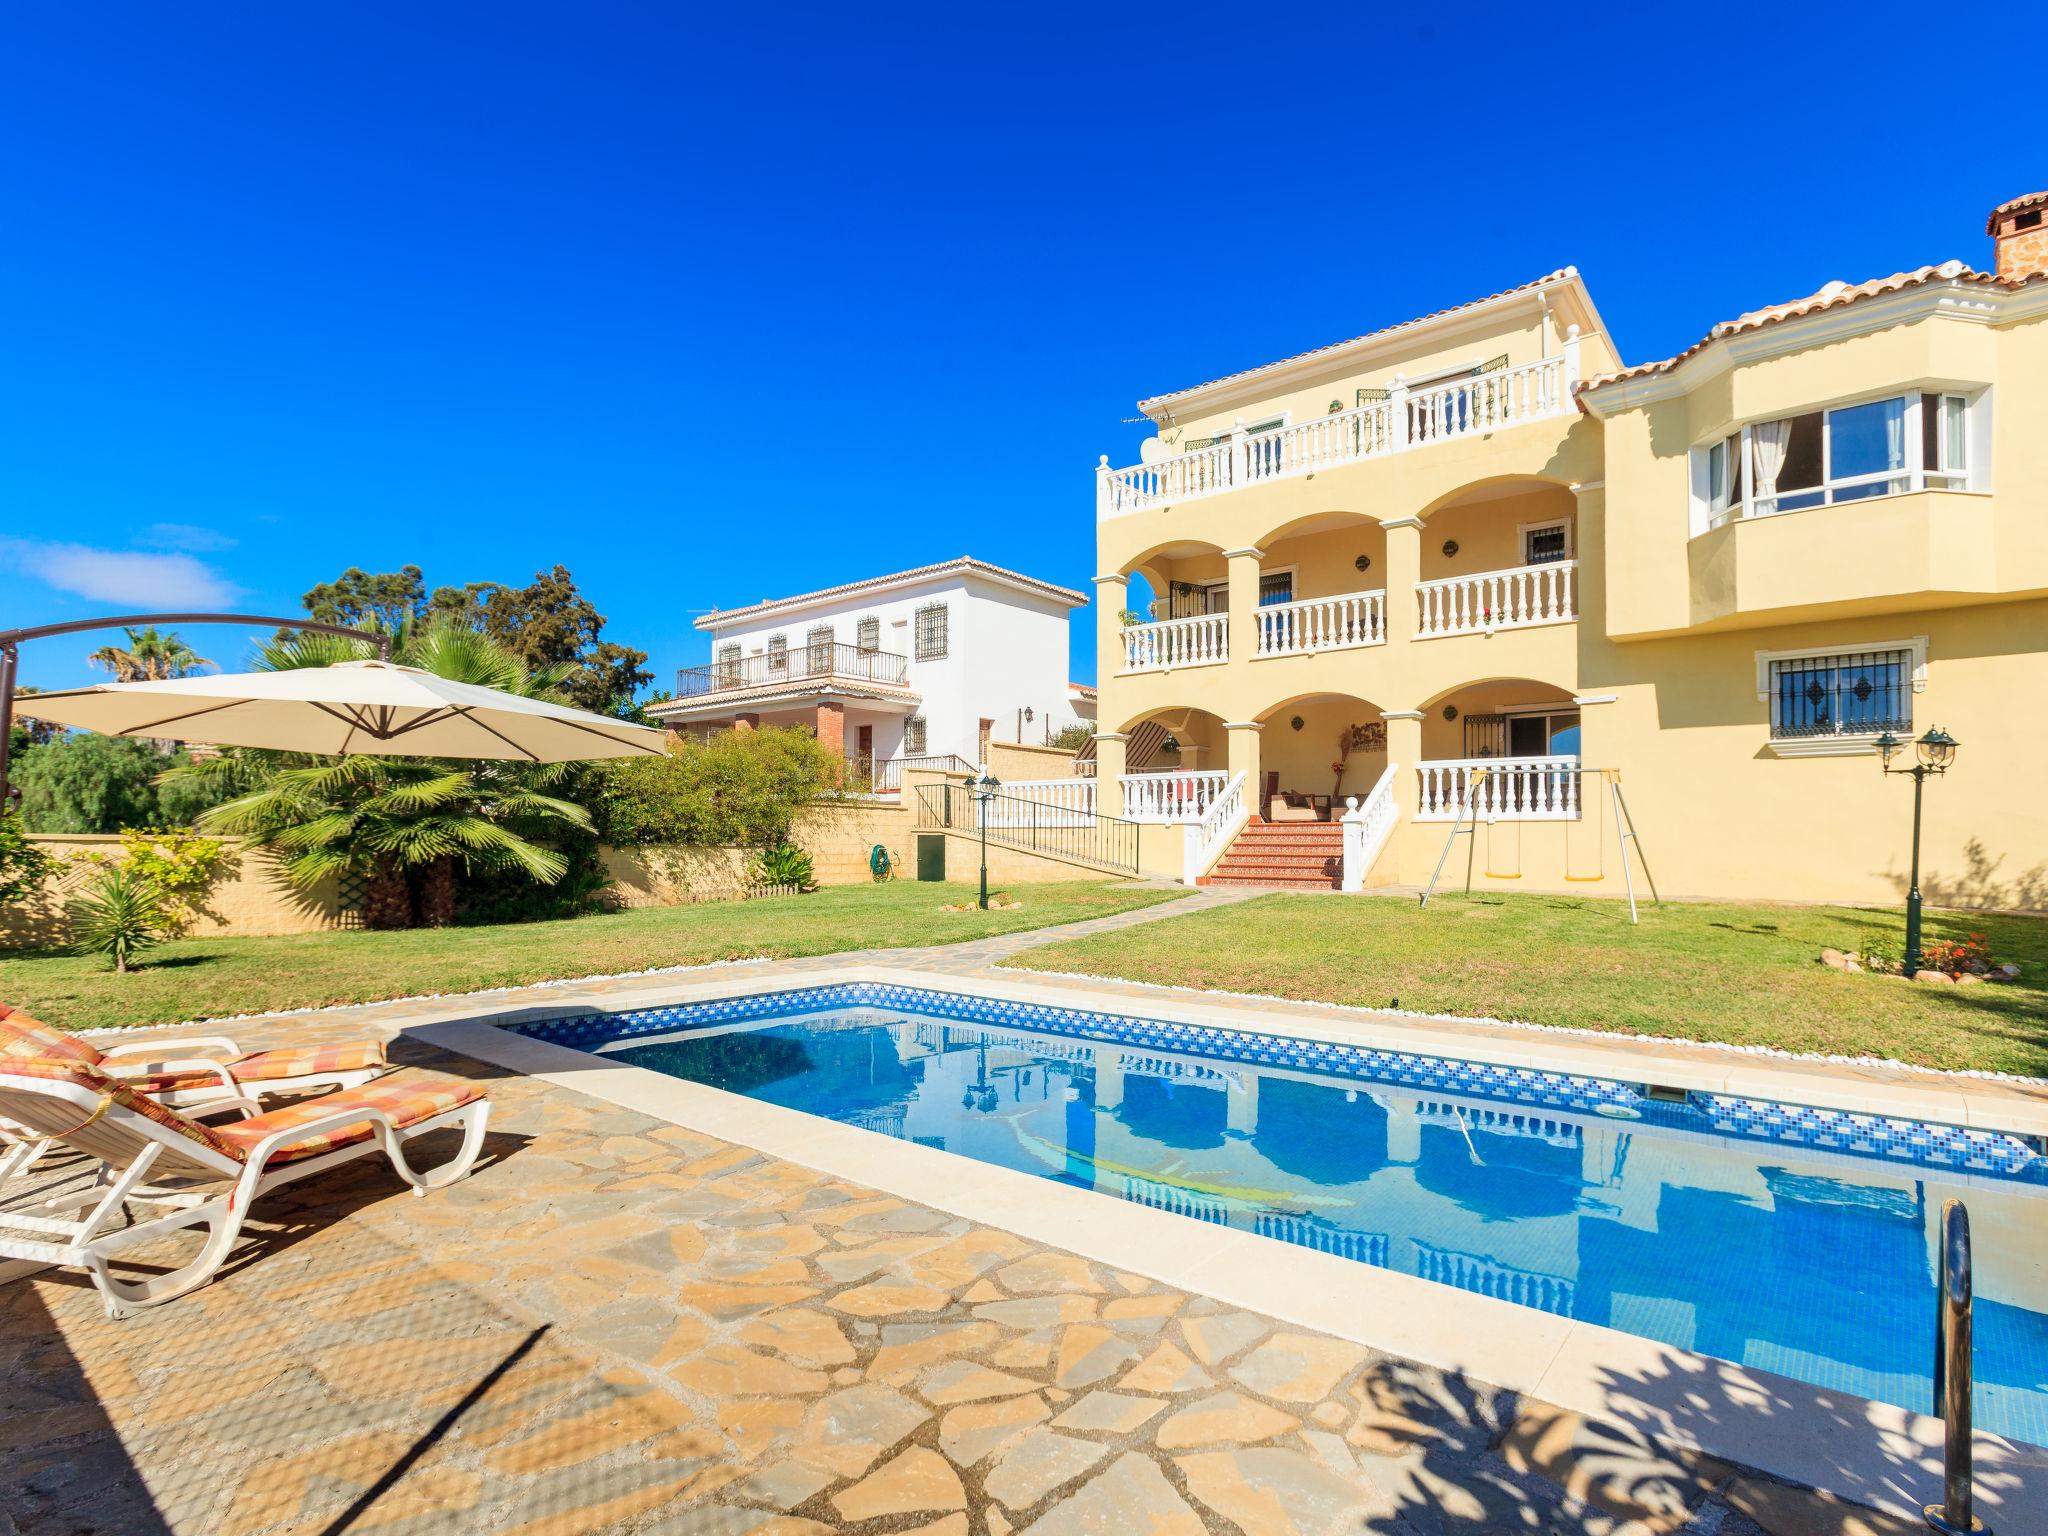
23 866
95 784
1073 737
1957 956
786 864
119 916
740 789
180 865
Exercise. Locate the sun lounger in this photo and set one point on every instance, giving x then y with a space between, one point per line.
200 1175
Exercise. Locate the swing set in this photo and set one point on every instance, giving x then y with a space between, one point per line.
1610 806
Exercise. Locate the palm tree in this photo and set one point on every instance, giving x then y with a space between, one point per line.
393 817
151 655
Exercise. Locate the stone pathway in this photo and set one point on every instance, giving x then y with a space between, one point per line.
616 1325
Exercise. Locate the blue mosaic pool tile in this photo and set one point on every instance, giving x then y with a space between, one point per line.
1871 1136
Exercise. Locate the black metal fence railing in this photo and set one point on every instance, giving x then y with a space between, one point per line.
1106 842
803 661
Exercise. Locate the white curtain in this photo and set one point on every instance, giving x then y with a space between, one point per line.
1772 438
1895 437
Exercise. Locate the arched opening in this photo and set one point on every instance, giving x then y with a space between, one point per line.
1504 749
1315 750
1176 762
1181 580
1324 577
1499 525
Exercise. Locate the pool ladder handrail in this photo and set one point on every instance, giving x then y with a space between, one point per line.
1953 1379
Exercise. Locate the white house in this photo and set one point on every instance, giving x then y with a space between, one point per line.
926 663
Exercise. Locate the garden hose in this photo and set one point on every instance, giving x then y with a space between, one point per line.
880 865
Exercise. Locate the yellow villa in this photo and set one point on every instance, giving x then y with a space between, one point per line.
1453 569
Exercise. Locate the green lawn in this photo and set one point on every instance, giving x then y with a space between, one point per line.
1747 975
201 978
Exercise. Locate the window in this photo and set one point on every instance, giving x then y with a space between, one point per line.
818 651
778 653
1853 693
729 663
931 632
913 736
867 634
1847 453
1547 543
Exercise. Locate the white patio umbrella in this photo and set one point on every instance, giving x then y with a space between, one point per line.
352 707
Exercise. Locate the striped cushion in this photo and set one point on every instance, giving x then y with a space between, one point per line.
21 1035
408 1096
276 1066
49 1116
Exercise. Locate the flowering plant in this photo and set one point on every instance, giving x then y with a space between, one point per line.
1956 956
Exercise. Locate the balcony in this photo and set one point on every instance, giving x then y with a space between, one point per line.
1201 641
1406 419
805 664
1323 624
1521 597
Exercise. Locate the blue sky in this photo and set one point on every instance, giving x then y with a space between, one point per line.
712 304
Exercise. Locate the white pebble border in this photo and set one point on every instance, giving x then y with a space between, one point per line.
1770 1051
425 997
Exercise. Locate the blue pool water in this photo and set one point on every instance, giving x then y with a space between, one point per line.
1791 1240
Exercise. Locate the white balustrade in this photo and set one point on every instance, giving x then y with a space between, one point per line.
1368 823
1323 624
1499 789
1479 402
1043 803
1206 839
1197 642
1171 796
1521 597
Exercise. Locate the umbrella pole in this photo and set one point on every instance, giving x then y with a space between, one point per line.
9 657
10 641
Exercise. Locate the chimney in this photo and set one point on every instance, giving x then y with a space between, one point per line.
2019 235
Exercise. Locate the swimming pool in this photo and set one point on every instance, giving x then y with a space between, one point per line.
1789 1239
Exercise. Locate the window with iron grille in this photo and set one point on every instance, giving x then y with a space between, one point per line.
818 646
778 653
1859 693
931 632
913 736
867 634
729 662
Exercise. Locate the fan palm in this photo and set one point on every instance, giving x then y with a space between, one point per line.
151 655
388 817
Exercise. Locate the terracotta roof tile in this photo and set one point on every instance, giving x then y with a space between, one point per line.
719 617
1560 275
2031 200
1833 296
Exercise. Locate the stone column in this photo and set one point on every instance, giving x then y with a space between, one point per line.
1243 736
1404 751
1109 772
1243 566
1112 596
1404 570
830 724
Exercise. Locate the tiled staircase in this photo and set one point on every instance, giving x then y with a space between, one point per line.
1306 855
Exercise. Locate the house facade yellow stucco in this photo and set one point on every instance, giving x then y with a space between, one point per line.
1479 550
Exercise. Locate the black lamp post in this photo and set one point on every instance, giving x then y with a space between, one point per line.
1932 753
983 787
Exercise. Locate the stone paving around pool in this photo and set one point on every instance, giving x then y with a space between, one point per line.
618 1325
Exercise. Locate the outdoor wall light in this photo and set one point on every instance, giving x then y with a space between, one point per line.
1362 563
1933 753
1297 722
1027 714
1171 744
1450 711
1450 549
